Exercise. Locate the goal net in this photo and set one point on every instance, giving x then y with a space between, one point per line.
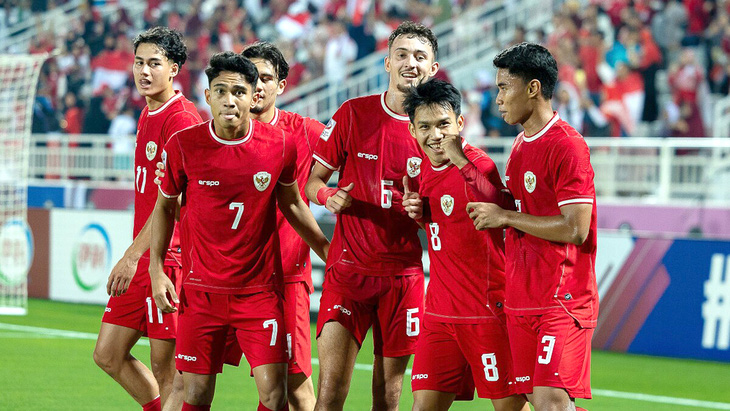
18 80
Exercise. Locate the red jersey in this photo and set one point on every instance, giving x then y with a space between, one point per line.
371 147
154 129
467 266
303 133
230 218
544 172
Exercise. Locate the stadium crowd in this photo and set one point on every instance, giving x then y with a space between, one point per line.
627 67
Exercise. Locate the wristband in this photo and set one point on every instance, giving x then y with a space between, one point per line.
324 193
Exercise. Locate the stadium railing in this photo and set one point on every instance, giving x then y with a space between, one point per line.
653 170
17 38
467 43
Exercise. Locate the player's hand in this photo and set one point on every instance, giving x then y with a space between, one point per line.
451 144
161 287
121 276
486 215
340 200
159 173
412 202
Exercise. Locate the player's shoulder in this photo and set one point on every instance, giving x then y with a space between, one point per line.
473 152
563 135
267 131
193 132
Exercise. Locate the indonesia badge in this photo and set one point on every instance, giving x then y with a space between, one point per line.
530 181
151 150
413 166
261 180
447 204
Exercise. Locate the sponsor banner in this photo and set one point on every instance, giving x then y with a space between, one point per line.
85 245
664 296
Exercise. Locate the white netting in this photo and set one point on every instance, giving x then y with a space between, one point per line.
18 79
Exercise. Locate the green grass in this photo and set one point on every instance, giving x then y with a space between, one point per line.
42 373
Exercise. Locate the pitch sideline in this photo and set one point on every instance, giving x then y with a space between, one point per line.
42 332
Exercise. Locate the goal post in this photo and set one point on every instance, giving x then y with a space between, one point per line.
18 82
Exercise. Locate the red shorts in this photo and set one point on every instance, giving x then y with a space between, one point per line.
136 308
550 350
393 305
447 354
298 331
205 321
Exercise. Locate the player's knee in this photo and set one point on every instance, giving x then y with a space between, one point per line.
163 370
106 361
198 394
331 396
274 399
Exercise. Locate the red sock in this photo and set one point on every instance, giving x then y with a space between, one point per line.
154 405
262 408
188 407
580 409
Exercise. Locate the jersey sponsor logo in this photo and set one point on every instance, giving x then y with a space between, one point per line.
367 156
413 166
209 183
419 377
188 358
342 309
447 204
530 181
151 150
328 130
523 379
261 180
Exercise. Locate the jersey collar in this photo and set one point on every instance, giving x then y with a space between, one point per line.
389 111
544 129
276 117
162 108
231 142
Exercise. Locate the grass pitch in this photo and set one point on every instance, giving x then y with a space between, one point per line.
43 369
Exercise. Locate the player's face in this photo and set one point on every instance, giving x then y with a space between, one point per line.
230 98
153 72
269 86
410 61
430 124
513 97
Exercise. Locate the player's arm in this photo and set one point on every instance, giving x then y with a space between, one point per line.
571 226
163 220
123 272
482 187
334 199
298 214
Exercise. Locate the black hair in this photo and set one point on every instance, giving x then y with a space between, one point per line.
236 63
430 93
530 61
269 52
169 41
419 31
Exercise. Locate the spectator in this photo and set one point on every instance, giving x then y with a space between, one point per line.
73 114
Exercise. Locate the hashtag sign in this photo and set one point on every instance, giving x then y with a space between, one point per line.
716 308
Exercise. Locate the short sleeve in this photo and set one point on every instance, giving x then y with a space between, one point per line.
330 150
288 174
173 182
180 121
573 172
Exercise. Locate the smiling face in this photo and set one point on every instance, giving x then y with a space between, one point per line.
410 61
269 86
429 125
230 98
153 72
513 98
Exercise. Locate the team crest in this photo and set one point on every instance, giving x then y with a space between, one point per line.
261 180
447 204
413 166
328 130
530 181
151 150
